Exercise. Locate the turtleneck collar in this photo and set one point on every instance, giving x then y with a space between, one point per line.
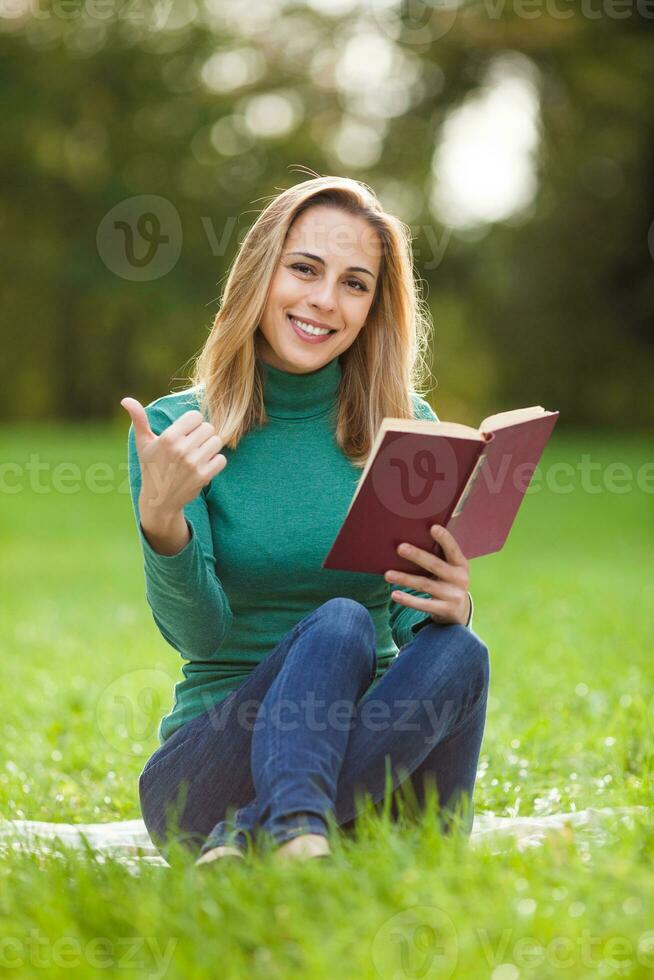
300 396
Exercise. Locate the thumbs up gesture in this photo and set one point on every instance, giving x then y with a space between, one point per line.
176 464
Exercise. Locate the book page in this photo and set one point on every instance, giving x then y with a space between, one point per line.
504 419
457 430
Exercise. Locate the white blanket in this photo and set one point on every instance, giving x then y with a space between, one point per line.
128 841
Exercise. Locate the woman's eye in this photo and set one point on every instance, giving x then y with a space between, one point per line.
302 267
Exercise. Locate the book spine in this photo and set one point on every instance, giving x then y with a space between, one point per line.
459 503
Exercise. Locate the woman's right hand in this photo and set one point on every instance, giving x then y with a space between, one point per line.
176 464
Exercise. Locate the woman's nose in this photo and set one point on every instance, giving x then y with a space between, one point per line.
323 295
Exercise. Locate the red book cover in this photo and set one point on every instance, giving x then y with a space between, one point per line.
421 473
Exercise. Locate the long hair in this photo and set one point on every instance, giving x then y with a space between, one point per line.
380 369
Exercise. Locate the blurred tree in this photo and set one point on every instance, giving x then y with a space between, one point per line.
207 106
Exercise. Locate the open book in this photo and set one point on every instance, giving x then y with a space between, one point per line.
420 473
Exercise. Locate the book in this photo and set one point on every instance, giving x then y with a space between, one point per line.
421 472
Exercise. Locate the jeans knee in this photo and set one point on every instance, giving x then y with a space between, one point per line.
476 658
353 620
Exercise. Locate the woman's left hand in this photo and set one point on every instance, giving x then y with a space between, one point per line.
447 581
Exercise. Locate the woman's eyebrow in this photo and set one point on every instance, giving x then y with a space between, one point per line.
350 268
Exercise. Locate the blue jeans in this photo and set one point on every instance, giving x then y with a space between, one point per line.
305 738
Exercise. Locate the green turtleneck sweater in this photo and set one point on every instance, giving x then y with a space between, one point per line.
259 533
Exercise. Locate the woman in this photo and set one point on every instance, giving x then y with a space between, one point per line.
239 485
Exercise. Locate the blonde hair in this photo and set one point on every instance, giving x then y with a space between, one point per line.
380 369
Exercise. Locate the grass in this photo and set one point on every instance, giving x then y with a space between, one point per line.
566 610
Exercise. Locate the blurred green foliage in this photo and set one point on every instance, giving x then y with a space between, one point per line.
102 103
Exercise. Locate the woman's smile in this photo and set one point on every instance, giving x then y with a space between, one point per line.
307 332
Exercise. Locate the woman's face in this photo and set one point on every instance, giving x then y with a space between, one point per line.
326 277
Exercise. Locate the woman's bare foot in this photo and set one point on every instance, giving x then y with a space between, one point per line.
303 846
223 850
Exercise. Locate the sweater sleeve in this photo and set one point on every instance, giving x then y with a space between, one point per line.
188 602
404 620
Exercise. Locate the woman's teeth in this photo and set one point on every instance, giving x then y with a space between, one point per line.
308 328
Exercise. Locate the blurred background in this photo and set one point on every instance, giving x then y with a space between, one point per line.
515 138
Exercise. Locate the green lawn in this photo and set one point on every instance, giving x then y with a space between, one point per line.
566 610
